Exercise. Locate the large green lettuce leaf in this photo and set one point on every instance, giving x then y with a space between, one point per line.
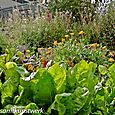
44 90
70 103
59 75
10 86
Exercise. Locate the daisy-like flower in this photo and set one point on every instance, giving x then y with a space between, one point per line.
111 60
55 43
111 54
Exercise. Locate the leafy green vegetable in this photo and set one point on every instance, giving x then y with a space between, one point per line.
44 90
10 65
59 75
68 103
102 69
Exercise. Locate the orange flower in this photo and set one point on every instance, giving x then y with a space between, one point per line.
111 54
111 60
81 32
55 43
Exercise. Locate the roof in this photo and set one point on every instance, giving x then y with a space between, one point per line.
8 3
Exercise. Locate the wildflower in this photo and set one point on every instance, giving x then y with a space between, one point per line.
49 48
94 45
44 62
55 43
103 48
30 67
28 51
81 32
48 52
111 54
72 34
66 36
62 39
40 48
111 60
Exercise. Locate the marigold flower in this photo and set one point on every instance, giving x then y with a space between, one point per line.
111 54
72 34
66 36
55 43
111 60
81 32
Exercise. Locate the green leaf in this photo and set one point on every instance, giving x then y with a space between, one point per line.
13 74
112 72
18 98
7 91
102 69
44 90
61 102
10 65
68 103
22 71
31 106
59 75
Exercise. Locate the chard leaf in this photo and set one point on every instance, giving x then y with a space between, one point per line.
59 75
44 90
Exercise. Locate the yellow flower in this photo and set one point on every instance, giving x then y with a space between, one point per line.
40 48
62 39
103 48
111 60
55 43
94 45
30 67
28 51
49 48
77 44
48 52
72 34
66 36
81 32
111 54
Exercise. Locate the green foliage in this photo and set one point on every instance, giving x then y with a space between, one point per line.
76 90
82 10
59 75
